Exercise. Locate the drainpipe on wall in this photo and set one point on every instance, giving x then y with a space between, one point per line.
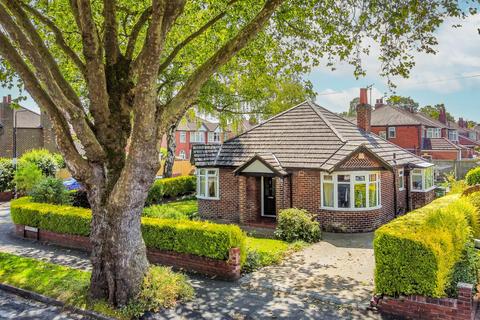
406 177
291 190
395 170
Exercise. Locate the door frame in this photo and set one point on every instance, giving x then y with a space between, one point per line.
262 199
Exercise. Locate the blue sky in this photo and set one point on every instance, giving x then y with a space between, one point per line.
434 79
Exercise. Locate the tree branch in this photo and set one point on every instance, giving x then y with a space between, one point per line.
132 41
59 39
77 164
191 88
192 37
43 68
112 49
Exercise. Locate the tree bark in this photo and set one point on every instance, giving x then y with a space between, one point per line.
171 146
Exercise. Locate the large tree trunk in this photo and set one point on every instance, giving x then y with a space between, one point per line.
118 255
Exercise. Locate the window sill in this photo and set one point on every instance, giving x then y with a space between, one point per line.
427 190
401 189
207 198
351 209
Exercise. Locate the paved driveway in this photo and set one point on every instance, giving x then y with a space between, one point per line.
329 280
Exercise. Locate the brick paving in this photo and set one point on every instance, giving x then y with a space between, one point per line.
275 292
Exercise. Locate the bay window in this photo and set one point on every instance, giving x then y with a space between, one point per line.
207 184
422 179
350 190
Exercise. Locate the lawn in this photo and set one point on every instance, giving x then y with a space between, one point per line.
264 252
71 285
183 209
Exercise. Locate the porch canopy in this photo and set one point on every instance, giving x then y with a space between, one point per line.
262 164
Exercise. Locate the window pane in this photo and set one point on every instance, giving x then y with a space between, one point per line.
360 193
327 178
343 178
328 194
373 177
343 191
212 172
212 187
202 171
201 190
359 178
372 195
417 182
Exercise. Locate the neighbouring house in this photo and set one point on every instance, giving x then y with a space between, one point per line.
33 130
418 133
200 131
309 157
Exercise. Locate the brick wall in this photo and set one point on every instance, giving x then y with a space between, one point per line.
407 136
420 307
442 155
228 270
6 141
227 208
420 199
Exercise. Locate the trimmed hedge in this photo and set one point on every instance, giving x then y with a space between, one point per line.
6 174
170 187
416 254
194 237
473 176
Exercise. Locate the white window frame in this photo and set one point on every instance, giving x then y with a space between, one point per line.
206 173
182 155
352 175
453 135
391 130
183 137
424 176
401 177
434 133
383 134
214 137
197 136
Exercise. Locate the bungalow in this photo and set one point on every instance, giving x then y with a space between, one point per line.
308 157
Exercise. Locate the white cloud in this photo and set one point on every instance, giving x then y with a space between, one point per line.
457 57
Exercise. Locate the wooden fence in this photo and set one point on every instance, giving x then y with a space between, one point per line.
458 167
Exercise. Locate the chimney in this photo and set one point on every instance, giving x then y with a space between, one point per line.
379 103
442 116
5 100
364 112
460 123
9 99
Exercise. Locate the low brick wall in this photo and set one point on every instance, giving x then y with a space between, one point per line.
6 196
420 307
227 270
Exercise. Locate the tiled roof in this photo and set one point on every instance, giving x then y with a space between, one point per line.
388 115
305 136
466 141
439 144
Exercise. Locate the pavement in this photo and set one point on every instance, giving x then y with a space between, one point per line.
332 279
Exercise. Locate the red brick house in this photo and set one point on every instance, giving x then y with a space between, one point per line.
417 133
308 157
199 131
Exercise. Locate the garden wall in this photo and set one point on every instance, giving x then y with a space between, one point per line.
420 307
227 270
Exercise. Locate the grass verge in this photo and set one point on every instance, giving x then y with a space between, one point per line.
162 288
183 209
264 252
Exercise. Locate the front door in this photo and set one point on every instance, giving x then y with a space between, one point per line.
268 191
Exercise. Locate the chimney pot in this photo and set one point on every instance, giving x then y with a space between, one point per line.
9 99
364 112
379 103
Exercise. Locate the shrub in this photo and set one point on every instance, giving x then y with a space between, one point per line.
185 209
50 190
465 270
473 176
417 253
193 237
474 217
27 176
297 224
170 187
46 161
6 175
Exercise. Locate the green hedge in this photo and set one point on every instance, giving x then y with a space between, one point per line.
170 187
473 176
194 237
417 253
